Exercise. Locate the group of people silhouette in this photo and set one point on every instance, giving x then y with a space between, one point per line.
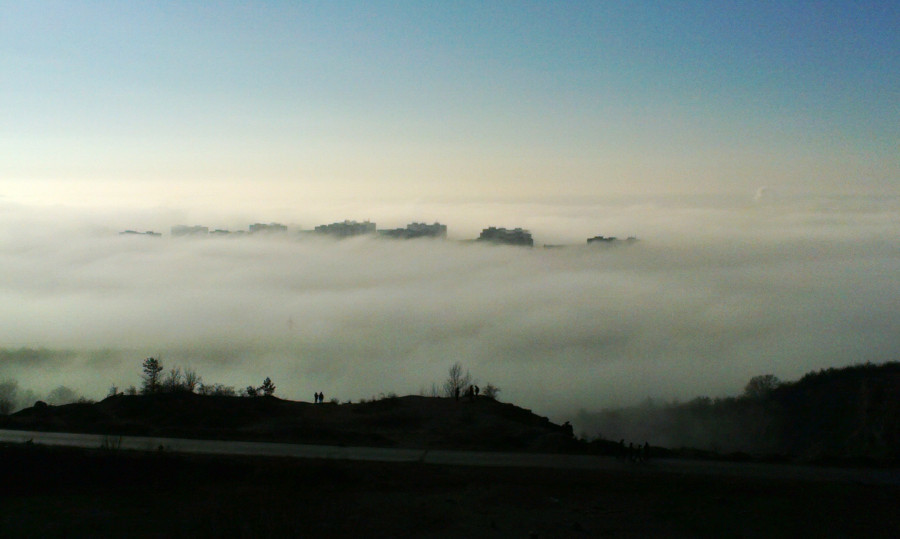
471 392
319 397
633 453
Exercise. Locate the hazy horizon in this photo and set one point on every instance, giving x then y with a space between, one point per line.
710 296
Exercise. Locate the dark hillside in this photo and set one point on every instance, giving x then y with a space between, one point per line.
847 415
395 421
852 412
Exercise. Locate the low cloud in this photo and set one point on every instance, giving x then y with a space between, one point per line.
712 295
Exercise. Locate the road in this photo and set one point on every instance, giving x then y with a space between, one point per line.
461 458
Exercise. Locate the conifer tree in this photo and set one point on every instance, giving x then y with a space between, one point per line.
152 376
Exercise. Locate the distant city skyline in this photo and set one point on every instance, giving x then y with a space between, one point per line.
351 228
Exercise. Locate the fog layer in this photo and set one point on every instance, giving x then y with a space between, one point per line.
710 296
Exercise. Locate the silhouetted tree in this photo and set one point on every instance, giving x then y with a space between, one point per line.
268 388
456 380
191 380
490 391
251 392
760 386
173 381
152 373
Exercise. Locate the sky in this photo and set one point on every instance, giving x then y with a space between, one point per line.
276 104
753 148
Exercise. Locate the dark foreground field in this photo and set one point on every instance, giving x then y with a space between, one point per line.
60 492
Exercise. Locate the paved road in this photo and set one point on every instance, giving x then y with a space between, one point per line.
464 458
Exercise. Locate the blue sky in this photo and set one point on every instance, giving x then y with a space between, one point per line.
434 99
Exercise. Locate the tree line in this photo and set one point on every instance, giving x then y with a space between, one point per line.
154 379
837 413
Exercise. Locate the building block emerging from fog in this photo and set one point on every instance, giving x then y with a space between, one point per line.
346 229
257 228
417 230
136 233
184 230
610 240
516 236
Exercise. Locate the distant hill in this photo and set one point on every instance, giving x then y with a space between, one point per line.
834 415
847 415
411 421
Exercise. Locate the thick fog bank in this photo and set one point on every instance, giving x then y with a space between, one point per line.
709 297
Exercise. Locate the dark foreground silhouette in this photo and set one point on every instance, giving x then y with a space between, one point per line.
108 491
412 421
60 492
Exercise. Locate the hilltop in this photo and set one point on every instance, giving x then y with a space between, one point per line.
843 416
410 421
836 415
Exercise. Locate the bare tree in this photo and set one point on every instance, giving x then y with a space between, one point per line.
152 373
490 391
456 381
191 380
173 381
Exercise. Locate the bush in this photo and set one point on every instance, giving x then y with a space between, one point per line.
218 390
490 391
